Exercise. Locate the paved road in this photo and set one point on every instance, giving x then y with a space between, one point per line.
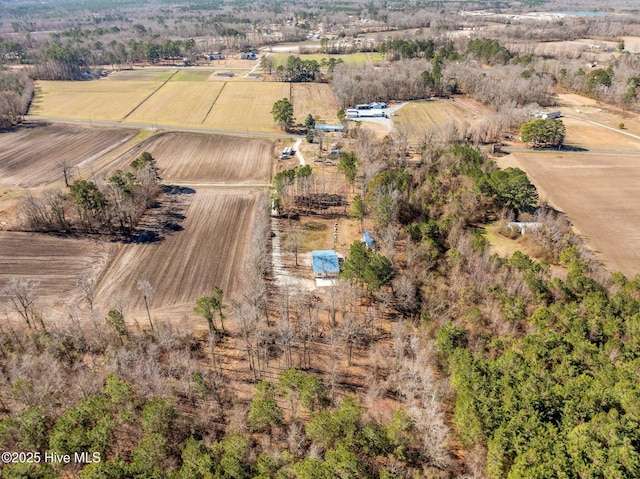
155 126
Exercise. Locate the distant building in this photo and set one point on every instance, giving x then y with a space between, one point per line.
545 115
216 56
248 56
325 263
328 128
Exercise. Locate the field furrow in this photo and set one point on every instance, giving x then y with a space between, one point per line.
200 158
205 248
33 156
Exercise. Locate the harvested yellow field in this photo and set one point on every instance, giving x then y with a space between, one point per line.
416 117
246 106
316 99
99 100
178 103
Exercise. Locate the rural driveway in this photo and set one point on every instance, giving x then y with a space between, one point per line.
154 126
296 148
617 130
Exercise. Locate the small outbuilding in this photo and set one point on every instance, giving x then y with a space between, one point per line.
523 227
328 128
367 239
325 263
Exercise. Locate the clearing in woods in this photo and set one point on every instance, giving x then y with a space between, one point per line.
192 242
197 158
31 156
415 117
316 99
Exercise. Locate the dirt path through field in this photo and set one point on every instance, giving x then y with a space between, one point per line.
150 95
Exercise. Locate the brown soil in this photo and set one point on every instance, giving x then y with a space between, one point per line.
193 158
598 193
194 241
31 156
55 263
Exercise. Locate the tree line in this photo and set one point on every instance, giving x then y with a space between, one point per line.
113 206
16 93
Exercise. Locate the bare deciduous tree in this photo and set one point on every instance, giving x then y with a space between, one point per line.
21 295
148 293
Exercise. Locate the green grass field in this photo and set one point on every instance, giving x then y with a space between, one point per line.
143 74
192 75
350 58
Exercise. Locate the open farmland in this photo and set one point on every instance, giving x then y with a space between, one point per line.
316 99
204 246
31 156
55 263
98 100
599 193
178 103
359 59
589 110
415 117
581 134
197 158
192 75
143 75
246 106
192 98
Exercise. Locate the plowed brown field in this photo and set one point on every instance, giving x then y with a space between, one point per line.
55 263
31 156
195 241
599 193
184 157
